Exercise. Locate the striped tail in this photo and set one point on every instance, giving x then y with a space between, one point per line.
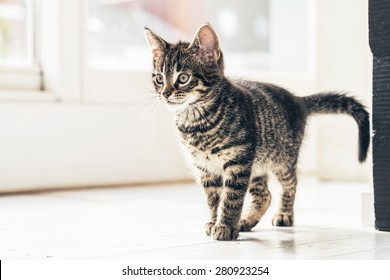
336 103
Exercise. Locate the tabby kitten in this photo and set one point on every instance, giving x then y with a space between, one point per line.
236 132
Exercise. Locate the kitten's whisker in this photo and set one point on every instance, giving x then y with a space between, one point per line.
147 110
148 90
142 101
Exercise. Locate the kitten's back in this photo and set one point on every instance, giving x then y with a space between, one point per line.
277 107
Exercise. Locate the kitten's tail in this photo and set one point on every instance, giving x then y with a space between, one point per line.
334 103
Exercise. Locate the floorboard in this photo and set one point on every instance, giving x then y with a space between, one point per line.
166 222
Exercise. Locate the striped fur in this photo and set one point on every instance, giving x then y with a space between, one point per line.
236 132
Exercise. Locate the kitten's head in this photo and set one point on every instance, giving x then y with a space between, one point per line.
183 73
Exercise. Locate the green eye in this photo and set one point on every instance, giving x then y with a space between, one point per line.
159 79
183 78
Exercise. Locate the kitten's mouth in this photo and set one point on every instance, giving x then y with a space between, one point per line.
171 103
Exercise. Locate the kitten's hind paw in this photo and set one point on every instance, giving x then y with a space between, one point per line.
245 225
283 220
222 232
209 227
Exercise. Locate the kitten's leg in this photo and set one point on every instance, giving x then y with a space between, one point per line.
236 180
260 201
285 214
212 186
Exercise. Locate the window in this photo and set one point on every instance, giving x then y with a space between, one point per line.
250 31
17 51
255 35
15 32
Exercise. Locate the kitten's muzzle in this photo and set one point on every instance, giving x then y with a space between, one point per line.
167 90
167 93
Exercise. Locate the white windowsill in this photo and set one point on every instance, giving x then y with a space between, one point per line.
10 95
20 77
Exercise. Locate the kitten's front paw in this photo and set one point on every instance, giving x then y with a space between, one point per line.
283 220
209 227
222 232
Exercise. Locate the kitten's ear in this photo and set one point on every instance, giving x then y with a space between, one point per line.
207 45
157 44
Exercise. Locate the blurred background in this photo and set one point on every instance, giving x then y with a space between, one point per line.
76 102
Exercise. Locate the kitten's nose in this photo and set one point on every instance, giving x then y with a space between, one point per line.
167 93
167 90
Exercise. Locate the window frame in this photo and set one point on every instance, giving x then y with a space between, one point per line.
58 75
24 77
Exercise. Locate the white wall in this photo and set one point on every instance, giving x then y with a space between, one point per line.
343 63
49 145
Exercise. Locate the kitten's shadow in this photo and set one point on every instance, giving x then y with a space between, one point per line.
276 238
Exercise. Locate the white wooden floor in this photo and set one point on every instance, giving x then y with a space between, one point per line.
166 222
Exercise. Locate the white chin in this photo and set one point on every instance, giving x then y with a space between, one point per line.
178 106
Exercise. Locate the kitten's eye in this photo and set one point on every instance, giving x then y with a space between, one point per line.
159 79
183 78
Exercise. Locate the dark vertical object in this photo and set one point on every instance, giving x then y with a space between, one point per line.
379 24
